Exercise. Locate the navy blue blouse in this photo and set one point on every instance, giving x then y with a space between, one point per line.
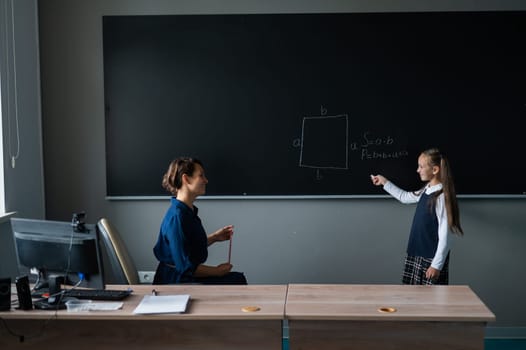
182 241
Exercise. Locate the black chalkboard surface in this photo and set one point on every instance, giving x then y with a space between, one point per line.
311 104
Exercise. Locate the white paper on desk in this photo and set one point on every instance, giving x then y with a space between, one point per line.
162 304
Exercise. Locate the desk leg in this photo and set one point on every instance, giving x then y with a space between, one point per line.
375 335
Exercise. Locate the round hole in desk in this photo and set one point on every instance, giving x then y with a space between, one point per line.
387 309
250 308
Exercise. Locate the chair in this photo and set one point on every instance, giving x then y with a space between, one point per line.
121 264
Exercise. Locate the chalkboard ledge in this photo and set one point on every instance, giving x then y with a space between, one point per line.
157 198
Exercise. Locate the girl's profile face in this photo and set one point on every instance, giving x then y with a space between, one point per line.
426 171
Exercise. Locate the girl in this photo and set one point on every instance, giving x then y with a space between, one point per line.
182 244
427 260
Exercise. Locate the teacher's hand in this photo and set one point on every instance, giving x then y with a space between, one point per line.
223 234
223 269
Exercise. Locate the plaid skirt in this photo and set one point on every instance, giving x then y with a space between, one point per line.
415 271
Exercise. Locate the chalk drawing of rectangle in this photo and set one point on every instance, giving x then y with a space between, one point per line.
325 142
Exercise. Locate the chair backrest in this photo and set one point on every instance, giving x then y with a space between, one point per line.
121 264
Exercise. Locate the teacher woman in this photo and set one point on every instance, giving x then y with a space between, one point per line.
182 245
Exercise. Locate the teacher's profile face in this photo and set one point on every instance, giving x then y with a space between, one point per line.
197 182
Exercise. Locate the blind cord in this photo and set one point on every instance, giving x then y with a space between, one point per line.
13 154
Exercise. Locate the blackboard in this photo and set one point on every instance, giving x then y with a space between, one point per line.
311 104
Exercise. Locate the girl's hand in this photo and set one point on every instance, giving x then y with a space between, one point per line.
432 273
378 180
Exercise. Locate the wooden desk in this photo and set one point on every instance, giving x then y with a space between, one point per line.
348 317
214 320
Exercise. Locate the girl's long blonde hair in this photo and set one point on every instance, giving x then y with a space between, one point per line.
436 158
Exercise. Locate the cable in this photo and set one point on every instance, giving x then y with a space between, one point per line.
60 294
13 155
37 281
23 337
70 249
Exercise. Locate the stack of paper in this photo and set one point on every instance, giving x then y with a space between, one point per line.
162 304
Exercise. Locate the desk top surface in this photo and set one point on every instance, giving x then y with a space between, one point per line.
384 303
297 302
206 303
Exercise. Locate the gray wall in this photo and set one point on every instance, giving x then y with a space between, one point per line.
276 241
19 58
24 183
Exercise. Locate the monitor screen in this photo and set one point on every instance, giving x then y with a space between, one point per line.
55 248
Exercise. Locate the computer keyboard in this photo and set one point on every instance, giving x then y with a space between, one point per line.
97 294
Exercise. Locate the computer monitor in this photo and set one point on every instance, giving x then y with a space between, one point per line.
57 249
